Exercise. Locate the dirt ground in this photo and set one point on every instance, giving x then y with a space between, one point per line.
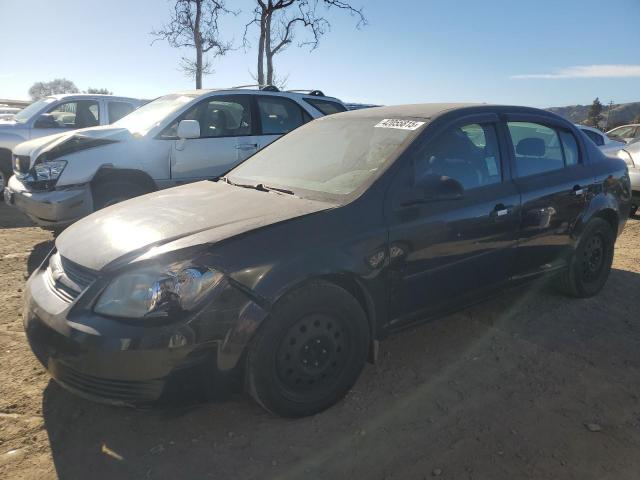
528 385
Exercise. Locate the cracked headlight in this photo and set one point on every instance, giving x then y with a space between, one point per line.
47 171
157 291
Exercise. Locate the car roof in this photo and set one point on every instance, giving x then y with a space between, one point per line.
60 96
622 126
429 111
283 93
587 127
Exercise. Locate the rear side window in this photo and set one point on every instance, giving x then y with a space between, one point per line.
539 148
569 147
326 107
468 154
117 110
279 115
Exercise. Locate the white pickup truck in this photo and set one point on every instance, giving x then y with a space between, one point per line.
55 114
178 138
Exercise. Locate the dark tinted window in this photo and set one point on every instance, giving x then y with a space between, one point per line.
117 110
469 154
326 107
279 115
537 148
596 138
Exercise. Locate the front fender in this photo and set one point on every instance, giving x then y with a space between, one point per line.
10 140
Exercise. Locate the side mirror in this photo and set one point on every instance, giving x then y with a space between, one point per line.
188 129
439 188
45 121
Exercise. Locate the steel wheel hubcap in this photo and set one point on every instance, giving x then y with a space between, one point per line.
311 353
592 258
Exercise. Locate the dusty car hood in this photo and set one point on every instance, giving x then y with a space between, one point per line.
34 148
212 211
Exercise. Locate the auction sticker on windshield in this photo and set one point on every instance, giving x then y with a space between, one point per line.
399 123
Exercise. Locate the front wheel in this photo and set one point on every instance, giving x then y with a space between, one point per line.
110 192
590 264
309 352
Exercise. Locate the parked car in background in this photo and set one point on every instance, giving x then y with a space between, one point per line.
631 155
282 276
55 114
175 139
604 143
7 112
625 133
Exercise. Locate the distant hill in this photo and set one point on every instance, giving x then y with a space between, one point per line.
621 113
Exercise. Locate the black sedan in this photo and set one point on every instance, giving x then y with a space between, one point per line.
282 276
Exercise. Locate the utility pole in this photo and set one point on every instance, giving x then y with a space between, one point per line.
606 127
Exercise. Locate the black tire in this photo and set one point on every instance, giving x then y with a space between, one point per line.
309 352
634 211
110 192
590 264
5 174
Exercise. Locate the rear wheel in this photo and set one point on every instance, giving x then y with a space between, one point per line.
590 265
110 192
309 352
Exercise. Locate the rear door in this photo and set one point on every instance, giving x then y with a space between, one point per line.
278 116
226 138
555 182
449 252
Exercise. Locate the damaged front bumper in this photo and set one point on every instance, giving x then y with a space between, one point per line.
52 208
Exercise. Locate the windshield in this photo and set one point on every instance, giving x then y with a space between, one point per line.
148 116
26 113
331 156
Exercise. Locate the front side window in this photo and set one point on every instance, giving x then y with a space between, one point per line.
329 157
219 116
117 110
74 114
597 139
539 148
279 115
326 107
468 154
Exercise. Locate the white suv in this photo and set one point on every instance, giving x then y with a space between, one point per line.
178 138
55 114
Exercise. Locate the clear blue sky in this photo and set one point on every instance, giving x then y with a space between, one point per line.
535 52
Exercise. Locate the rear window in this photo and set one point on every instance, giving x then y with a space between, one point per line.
597 139
326 107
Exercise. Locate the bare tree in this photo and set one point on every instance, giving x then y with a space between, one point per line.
58 85
194 24
98 91
278 21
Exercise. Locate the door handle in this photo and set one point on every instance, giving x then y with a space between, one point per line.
247 146
500 210
578 190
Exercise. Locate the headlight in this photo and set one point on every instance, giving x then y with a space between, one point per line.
626 156
157 291
47 171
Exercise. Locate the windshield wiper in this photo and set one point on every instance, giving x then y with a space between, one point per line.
261 187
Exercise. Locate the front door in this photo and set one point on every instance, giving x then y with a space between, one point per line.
226 138
66 116
446 252
554 184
